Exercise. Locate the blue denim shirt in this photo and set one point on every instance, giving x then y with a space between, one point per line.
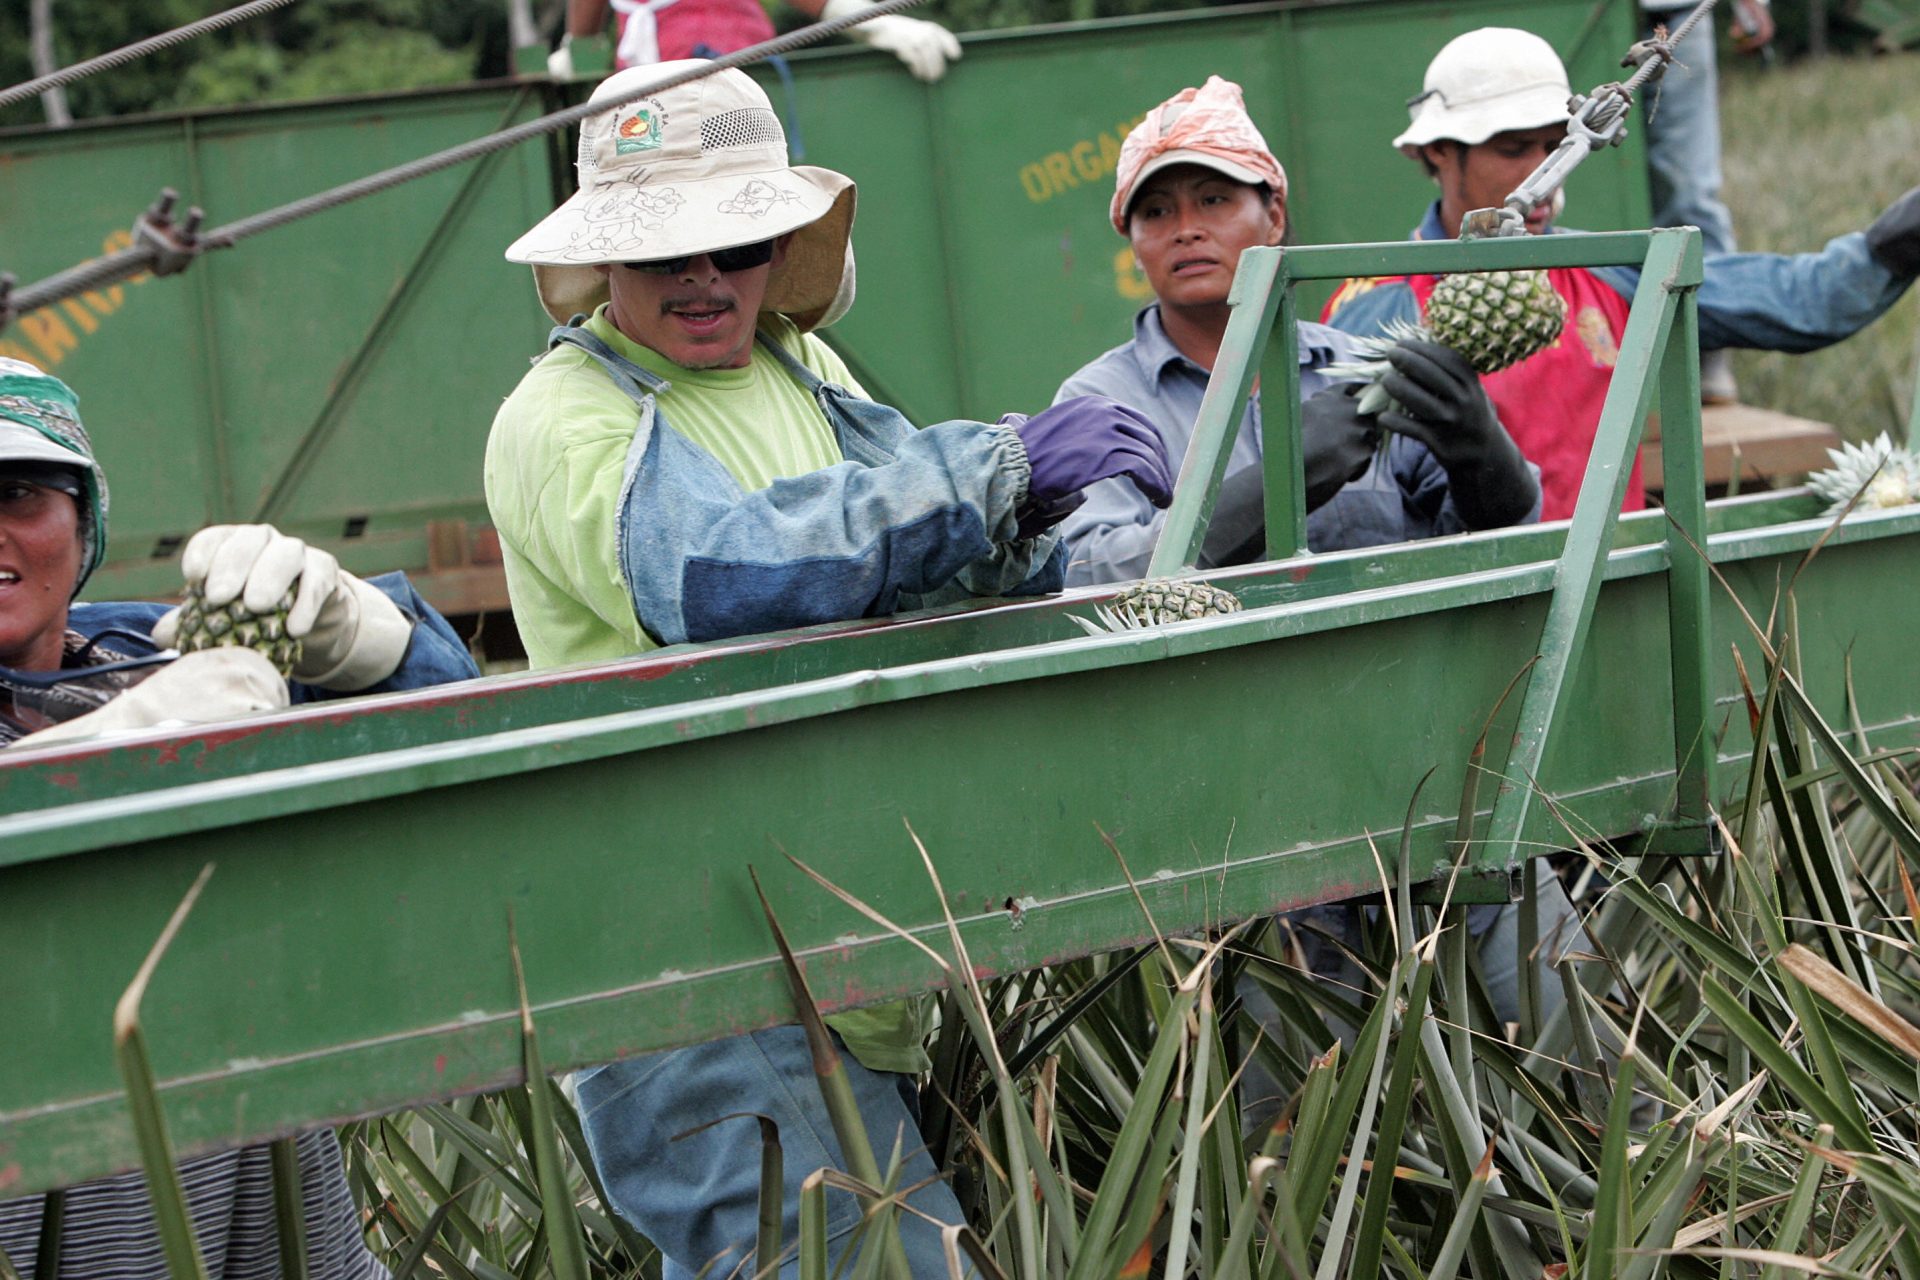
1768 301
911 519
435 655
1111 537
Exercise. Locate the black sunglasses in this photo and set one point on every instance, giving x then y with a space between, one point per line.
739 258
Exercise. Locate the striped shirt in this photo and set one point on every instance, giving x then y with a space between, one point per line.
108 1231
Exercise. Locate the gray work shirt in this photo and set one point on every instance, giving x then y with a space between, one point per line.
1111 537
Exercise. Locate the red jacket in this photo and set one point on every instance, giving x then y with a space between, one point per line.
1550 403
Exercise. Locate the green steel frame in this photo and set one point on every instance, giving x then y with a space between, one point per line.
350 955
1661 339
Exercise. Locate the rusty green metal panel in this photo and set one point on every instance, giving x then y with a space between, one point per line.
350 952
341 373
337 371
989 270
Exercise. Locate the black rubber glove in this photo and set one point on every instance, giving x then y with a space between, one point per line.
1447 410
1336 442
1894 237
1237 534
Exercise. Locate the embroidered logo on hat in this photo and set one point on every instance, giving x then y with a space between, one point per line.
641 130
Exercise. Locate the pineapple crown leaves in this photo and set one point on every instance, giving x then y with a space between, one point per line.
1158 602
1881 472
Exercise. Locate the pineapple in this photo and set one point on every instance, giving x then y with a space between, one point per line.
203 626
1883 475
1495 319
1157 601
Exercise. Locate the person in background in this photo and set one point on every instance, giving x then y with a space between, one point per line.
650 31
1494 106
1682 115
688 462
72 672
1196 186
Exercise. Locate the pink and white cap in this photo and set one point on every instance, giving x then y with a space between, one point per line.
1208 126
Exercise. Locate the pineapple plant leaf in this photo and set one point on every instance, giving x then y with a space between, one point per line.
1495 319
206 626
1157 601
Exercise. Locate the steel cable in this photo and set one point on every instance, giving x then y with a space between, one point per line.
129 262
138 49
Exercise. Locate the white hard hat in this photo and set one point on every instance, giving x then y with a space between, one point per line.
1485 82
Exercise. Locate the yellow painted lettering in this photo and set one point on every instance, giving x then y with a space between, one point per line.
14 351
1034 180
81 316
1060 170
1109 153
50 334
105 301
1086 160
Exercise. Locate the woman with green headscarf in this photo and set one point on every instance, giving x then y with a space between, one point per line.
71 671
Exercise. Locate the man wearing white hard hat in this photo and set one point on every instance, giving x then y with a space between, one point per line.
1493 107
650 31
689 462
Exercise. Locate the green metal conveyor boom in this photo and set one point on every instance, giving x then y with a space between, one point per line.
349 954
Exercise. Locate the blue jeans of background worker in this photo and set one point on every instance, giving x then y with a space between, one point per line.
701 1191
1683 136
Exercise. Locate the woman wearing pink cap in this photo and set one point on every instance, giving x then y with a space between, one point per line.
1195 186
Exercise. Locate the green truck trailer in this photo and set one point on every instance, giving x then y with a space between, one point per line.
350 953
337 377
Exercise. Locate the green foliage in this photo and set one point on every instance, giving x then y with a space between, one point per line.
317 48
1843 132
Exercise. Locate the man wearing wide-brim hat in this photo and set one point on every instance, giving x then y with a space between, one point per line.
689 462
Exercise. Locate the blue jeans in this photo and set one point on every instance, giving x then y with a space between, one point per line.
697 1197
1683 137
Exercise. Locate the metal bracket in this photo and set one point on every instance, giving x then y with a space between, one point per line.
1474 886
174 245
1599 120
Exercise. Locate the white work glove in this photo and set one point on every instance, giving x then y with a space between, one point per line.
560 61
195 688
926 47
351 635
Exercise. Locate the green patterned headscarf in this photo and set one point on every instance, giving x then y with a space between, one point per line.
45 405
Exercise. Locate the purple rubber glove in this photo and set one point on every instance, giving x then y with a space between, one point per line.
1079 442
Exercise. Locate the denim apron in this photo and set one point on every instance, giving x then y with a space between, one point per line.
664 471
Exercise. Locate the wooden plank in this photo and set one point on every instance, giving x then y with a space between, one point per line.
1757 444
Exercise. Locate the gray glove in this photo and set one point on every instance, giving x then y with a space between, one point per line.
193 689
1237 534
1446 409
1894 237
1336 442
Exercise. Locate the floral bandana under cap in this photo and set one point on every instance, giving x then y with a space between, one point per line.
1207 126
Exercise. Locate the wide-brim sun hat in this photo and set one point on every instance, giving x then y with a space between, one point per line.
1209 127
699 167
1489 81
40 423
